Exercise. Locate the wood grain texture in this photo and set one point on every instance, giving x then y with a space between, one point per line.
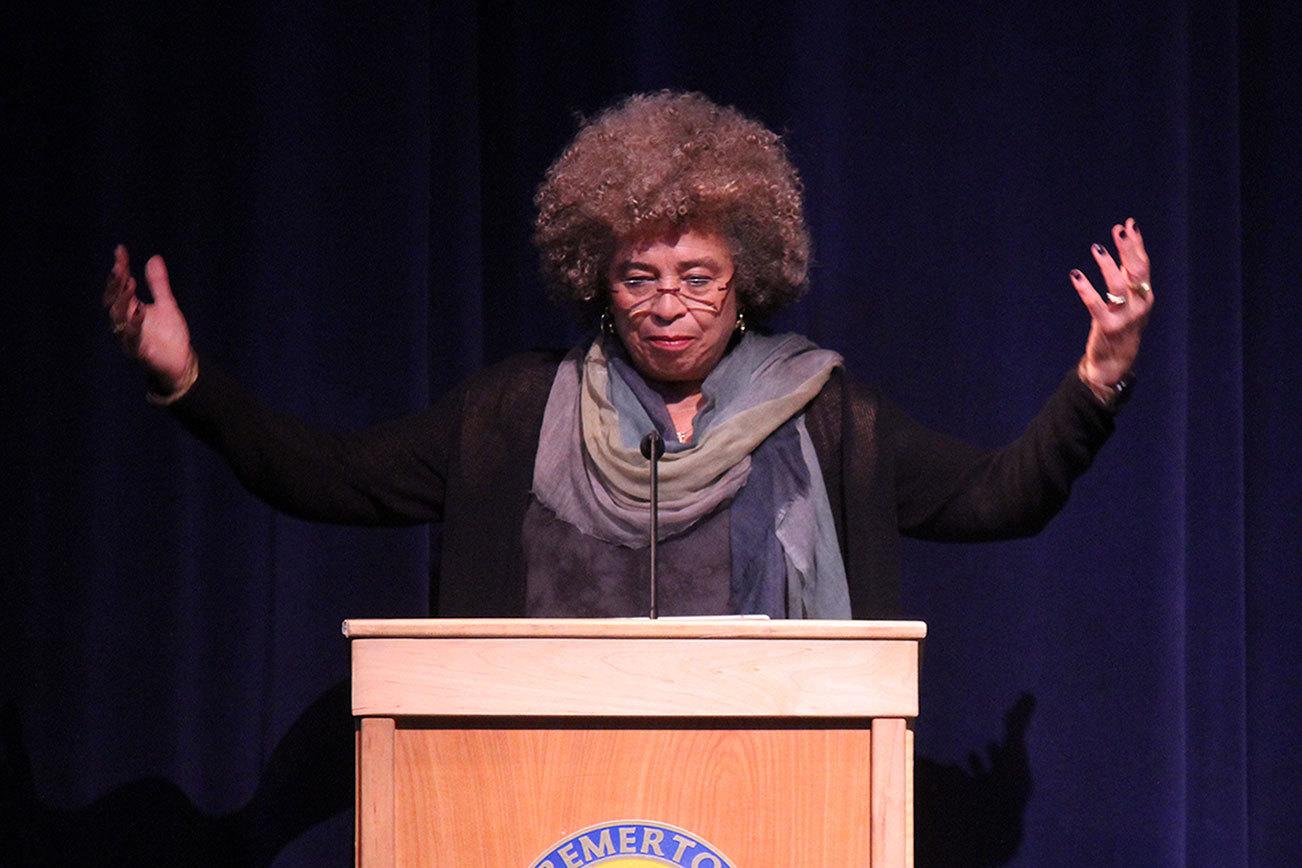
890 792
781 743
375 807
499 797
636 677
627 628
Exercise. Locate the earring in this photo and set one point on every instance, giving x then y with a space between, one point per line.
606 324
741 322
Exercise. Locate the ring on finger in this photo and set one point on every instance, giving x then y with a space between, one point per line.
1143 286
1115 299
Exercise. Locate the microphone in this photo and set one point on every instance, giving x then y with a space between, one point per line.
652 448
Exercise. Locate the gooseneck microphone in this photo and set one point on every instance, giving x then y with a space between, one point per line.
652 448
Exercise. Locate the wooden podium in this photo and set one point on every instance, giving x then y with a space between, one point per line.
778 743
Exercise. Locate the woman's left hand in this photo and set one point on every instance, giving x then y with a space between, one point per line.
1118 317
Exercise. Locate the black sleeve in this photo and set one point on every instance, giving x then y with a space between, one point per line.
394 473
950 490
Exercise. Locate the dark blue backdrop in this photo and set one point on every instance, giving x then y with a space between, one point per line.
344 200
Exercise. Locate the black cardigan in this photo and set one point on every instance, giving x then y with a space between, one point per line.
468 462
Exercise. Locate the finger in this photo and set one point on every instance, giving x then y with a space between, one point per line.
1130 247
113 288
122 304
129 329
1135 266
117 275
1137 246
1089 296
1121 238
121 261
159 285
1113 277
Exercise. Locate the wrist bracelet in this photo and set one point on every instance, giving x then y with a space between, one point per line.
1117 393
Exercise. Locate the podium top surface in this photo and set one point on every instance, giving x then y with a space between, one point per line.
627 628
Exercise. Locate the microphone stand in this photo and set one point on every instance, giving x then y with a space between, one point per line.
652 448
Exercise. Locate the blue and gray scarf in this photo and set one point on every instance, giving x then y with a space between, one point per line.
750 447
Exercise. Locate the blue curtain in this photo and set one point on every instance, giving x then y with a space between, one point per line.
343 197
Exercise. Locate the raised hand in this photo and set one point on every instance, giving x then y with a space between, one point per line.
156 335
1118 317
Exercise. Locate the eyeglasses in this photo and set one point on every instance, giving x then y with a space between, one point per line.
696 291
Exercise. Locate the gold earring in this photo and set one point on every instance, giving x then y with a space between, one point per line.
741 322
606 324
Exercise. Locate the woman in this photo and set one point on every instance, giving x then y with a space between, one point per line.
677 225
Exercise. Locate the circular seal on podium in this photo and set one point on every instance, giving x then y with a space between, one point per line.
632 844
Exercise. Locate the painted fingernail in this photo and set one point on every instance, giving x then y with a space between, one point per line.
1134 226
1122 233
1075 274
1098 248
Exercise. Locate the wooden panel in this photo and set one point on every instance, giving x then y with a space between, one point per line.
908 795
640 677
376 793
627 628
357 791
890 791
499 797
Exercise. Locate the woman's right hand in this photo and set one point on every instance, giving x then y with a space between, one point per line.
156 334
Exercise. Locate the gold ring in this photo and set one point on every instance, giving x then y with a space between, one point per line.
1143 286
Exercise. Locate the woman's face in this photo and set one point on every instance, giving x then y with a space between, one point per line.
671 336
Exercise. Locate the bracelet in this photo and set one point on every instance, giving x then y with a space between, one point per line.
1108 394
187 380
